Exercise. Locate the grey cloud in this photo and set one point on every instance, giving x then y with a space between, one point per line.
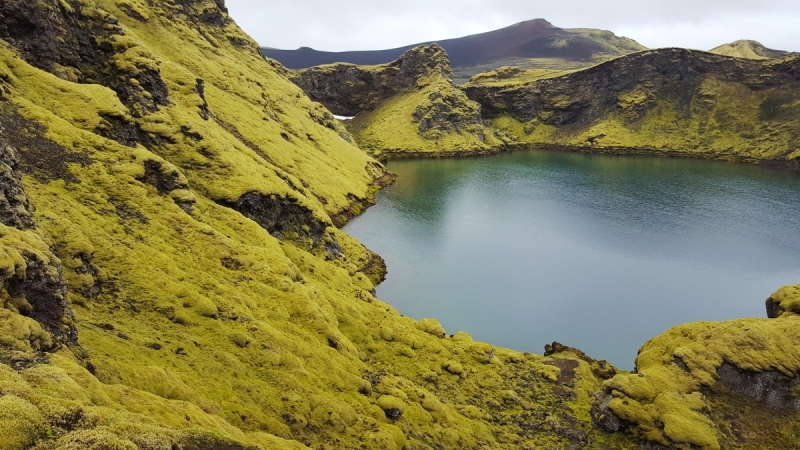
363 24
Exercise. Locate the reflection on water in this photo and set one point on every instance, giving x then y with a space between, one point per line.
596 252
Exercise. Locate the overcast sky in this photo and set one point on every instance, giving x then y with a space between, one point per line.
374 24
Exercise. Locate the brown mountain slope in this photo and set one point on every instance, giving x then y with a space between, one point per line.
534 39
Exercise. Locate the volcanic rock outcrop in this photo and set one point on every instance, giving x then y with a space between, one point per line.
404 108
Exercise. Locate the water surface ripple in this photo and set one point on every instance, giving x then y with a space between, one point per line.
597 252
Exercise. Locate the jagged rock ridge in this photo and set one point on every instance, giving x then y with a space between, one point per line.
670 101
348 89
432 115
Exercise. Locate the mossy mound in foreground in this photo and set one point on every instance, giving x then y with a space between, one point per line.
173 274
712 385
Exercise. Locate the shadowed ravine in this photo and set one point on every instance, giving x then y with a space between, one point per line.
597 252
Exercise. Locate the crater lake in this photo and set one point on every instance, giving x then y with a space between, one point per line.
597 252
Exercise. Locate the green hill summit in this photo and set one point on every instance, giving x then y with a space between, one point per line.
748 49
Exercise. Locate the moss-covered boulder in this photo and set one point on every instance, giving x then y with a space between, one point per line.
691 382
784 302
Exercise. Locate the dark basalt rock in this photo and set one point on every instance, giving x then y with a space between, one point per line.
47 36
221 5
200 90
393 414
585 96
15 209
38 156
374 268
347 89
600 368
39 293
215 15
45 291
771 388
148 81
774 308
120 129
280 216
163 182
381 179
602 416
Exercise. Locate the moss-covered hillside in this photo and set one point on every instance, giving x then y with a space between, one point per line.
409 107
670 102
173 276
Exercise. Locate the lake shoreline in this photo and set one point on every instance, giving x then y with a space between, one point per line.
782 165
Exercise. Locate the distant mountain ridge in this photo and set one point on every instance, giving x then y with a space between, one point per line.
532 39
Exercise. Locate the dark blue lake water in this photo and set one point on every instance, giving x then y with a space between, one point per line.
597 252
